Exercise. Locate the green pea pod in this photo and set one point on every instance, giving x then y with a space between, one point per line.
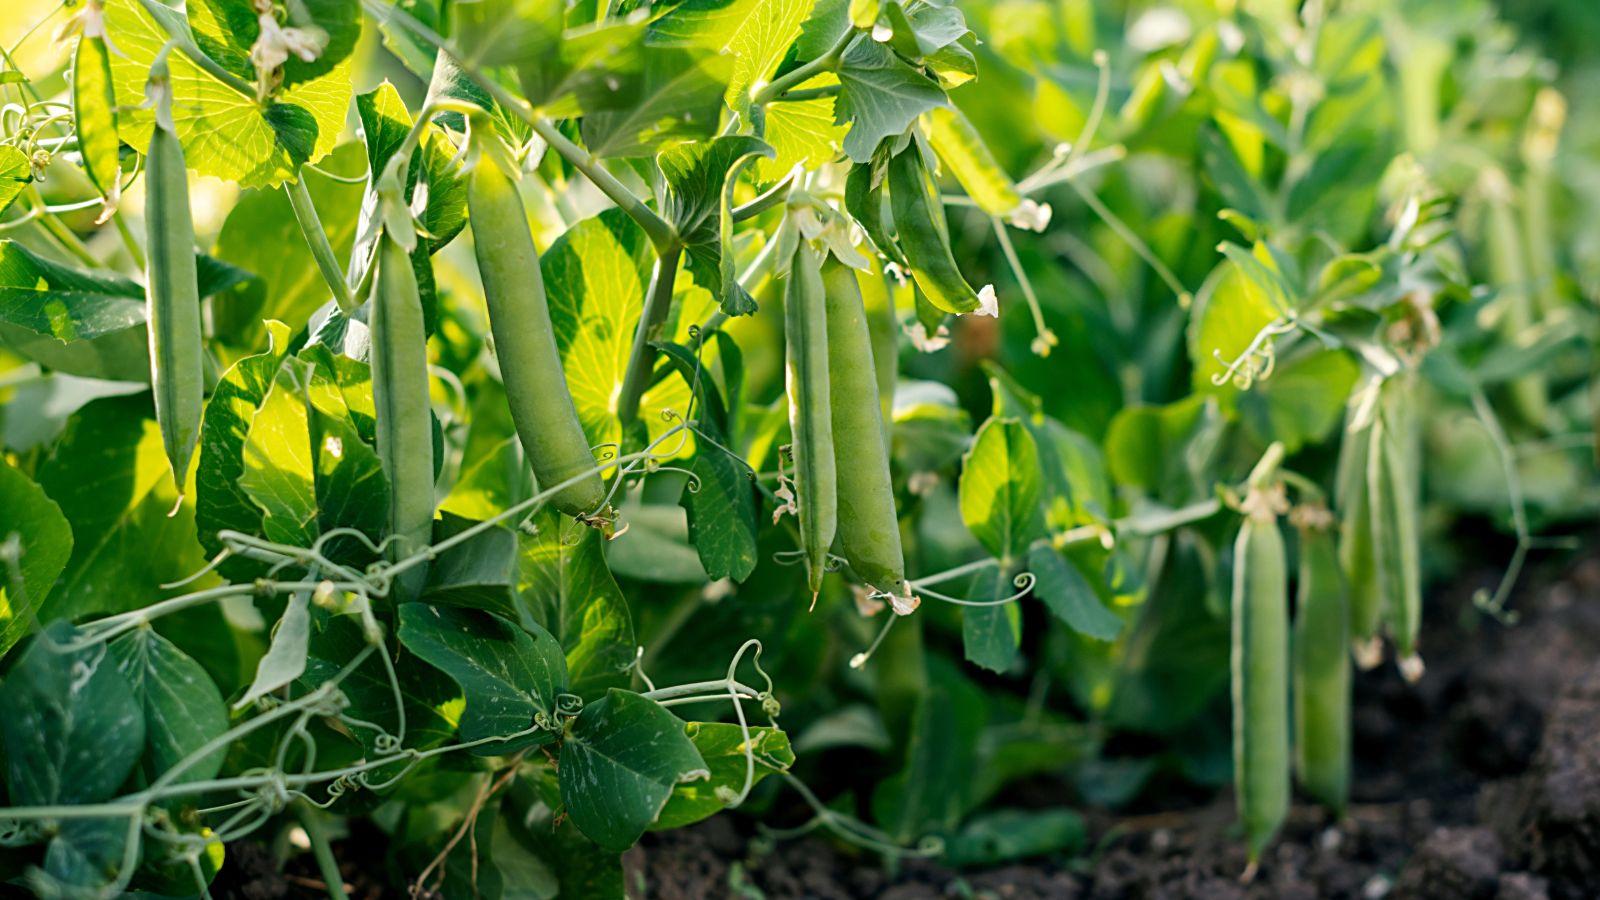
1392 477
864 201
1356 548
94 113
525 344
810 414
400 393
172 292
869 527
1322 668
923 235
1260 669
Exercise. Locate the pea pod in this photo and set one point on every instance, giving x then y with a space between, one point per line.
1356 546
923 236
525 344
94 108
172 291
810 413
1392 479
400 395
1260 672
1321 665
868 526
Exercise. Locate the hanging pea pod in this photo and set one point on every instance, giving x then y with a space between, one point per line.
94 107
1321 664
810 412
1260 663
172 290
868 526
399 359
1393 475
524 340
1356 548
925 239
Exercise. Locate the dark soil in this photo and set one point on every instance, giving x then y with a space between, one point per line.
1479 782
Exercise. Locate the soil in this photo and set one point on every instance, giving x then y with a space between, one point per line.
1481 781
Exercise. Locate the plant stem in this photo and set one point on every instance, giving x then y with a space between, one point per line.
305 214
63 235
657 303
128 239
771 197
827 62
326 864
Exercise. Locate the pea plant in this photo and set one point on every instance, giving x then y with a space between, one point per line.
482 421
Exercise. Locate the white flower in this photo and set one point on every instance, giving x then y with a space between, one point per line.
1031 215
276 44
904 604
988 303
920 339
867 602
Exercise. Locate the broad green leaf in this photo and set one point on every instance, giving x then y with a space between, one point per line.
692 197
82 858
756 33
595 275
182 708
285 660
1226 319
73 730
583 869
262 236
478 573
227 31
224 132
279 472
352 491
15 175
656 547
802 133
512 677
619 765
1068 595
508 32
1000 488
220 501
129 534
43 543
722 746
679 98
565 586
70 304
925 30
992 634
433 702
94 107
1302 401
1165 450
962 149
435 169
881 96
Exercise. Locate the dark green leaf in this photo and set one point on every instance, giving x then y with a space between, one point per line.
43 543
1068 595
565 585
182 708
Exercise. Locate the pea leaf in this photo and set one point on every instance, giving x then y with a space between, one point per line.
679 97
285 659
595 275
991 635
434 168
15 175
722 746
1068 595
932 791
71 726
220 501
279 472
693 198
619 765
801 132
432 701
881 95
1165 450
83 856
511 676
44 541
565 586
478 573
225 132
182 708
756 33
1000 488
126 545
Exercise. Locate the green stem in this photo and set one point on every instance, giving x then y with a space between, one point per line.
657 303
63 235
128 239
768 199
326 864
305 214
827 62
